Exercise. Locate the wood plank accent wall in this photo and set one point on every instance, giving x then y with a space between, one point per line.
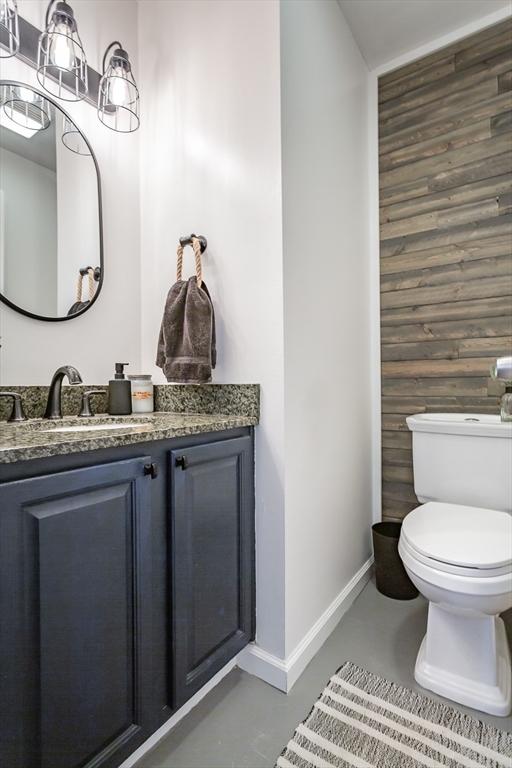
445 141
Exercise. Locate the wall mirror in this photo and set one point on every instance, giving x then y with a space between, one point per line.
51 249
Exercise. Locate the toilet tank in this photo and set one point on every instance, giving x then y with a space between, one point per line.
462 458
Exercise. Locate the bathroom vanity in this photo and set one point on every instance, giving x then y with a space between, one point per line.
127 579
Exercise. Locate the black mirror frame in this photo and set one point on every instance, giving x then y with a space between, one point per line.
3 298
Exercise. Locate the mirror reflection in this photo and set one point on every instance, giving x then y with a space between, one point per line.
50 238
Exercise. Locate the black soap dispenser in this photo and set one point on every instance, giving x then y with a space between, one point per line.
119 393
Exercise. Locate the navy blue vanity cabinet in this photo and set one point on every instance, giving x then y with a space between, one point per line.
212 533
126 583
75 586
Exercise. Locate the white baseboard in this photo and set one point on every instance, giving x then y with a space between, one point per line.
153 740
283 673
264 665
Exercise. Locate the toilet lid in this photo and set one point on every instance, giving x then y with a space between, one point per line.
471 537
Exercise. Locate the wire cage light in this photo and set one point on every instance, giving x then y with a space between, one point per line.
118 96
73 139
26 108
9 29
61 60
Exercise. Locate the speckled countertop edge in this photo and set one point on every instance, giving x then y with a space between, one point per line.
31 440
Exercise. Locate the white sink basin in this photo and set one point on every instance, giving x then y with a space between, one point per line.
95 427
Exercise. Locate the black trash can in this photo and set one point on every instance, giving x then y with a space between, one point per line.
390 574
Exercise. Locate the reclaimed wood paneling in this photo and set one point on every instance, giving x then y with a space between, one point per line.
479 328
445 149
473 43
457 310
451 84
423 131
496 187
454 254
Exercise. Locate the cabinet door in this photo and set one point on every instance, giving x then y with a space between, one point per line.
74 577
212 559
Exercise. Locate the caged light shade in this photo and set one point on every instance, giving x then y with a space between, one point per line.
24 110
73 139
118 96
9 28
61 60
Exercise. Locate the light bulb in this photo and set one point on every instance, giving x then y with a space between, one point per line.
61 47
118 88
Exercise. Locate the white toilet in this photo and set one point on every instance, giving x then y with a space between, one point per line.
457 550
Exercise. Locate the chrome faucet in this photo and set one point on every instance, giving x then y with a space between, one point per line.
54 404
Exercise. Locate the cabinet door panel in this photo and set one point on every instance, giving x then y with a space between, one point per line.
78 544
212 559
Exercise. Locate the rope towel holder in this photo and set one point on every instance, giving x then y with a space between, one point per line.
199 245
90 281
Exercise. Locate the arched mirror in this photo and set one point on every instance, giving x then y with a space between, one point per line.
51 245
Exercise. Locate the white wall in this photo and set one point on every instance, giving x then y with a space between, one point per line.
326 309
32 350
26 186
210 164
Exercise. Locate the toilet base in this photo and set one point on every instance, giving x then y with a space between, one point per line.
466 659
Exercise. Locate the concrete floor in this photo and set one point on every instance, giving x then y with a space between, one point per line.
245 723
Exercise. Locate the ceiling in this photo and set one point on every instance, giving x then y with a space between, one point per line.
384 29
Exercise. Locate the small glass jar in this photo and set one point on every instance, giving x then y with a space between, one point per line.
506 403
142 393
502 371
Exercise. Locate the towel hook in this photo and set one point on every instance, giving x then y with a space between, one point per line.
97 272
188 241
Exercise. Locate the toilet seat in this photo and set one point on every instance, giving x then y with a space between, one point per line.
457 570
464 581
468 541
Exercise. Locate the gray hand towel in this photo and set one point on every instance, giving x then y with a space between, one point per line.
187 345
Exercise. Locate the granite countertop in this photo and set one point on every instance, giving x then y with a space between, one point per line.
37 438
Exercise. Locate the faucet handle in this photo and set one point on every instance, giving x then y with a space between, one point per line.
86 409
17 413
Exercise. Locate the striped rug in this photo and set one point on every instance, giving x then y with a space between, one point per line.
362 720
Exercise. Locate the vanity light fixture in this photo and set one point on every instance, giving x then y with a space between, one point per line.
24 111
61 61
9 28
118 96
73 139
